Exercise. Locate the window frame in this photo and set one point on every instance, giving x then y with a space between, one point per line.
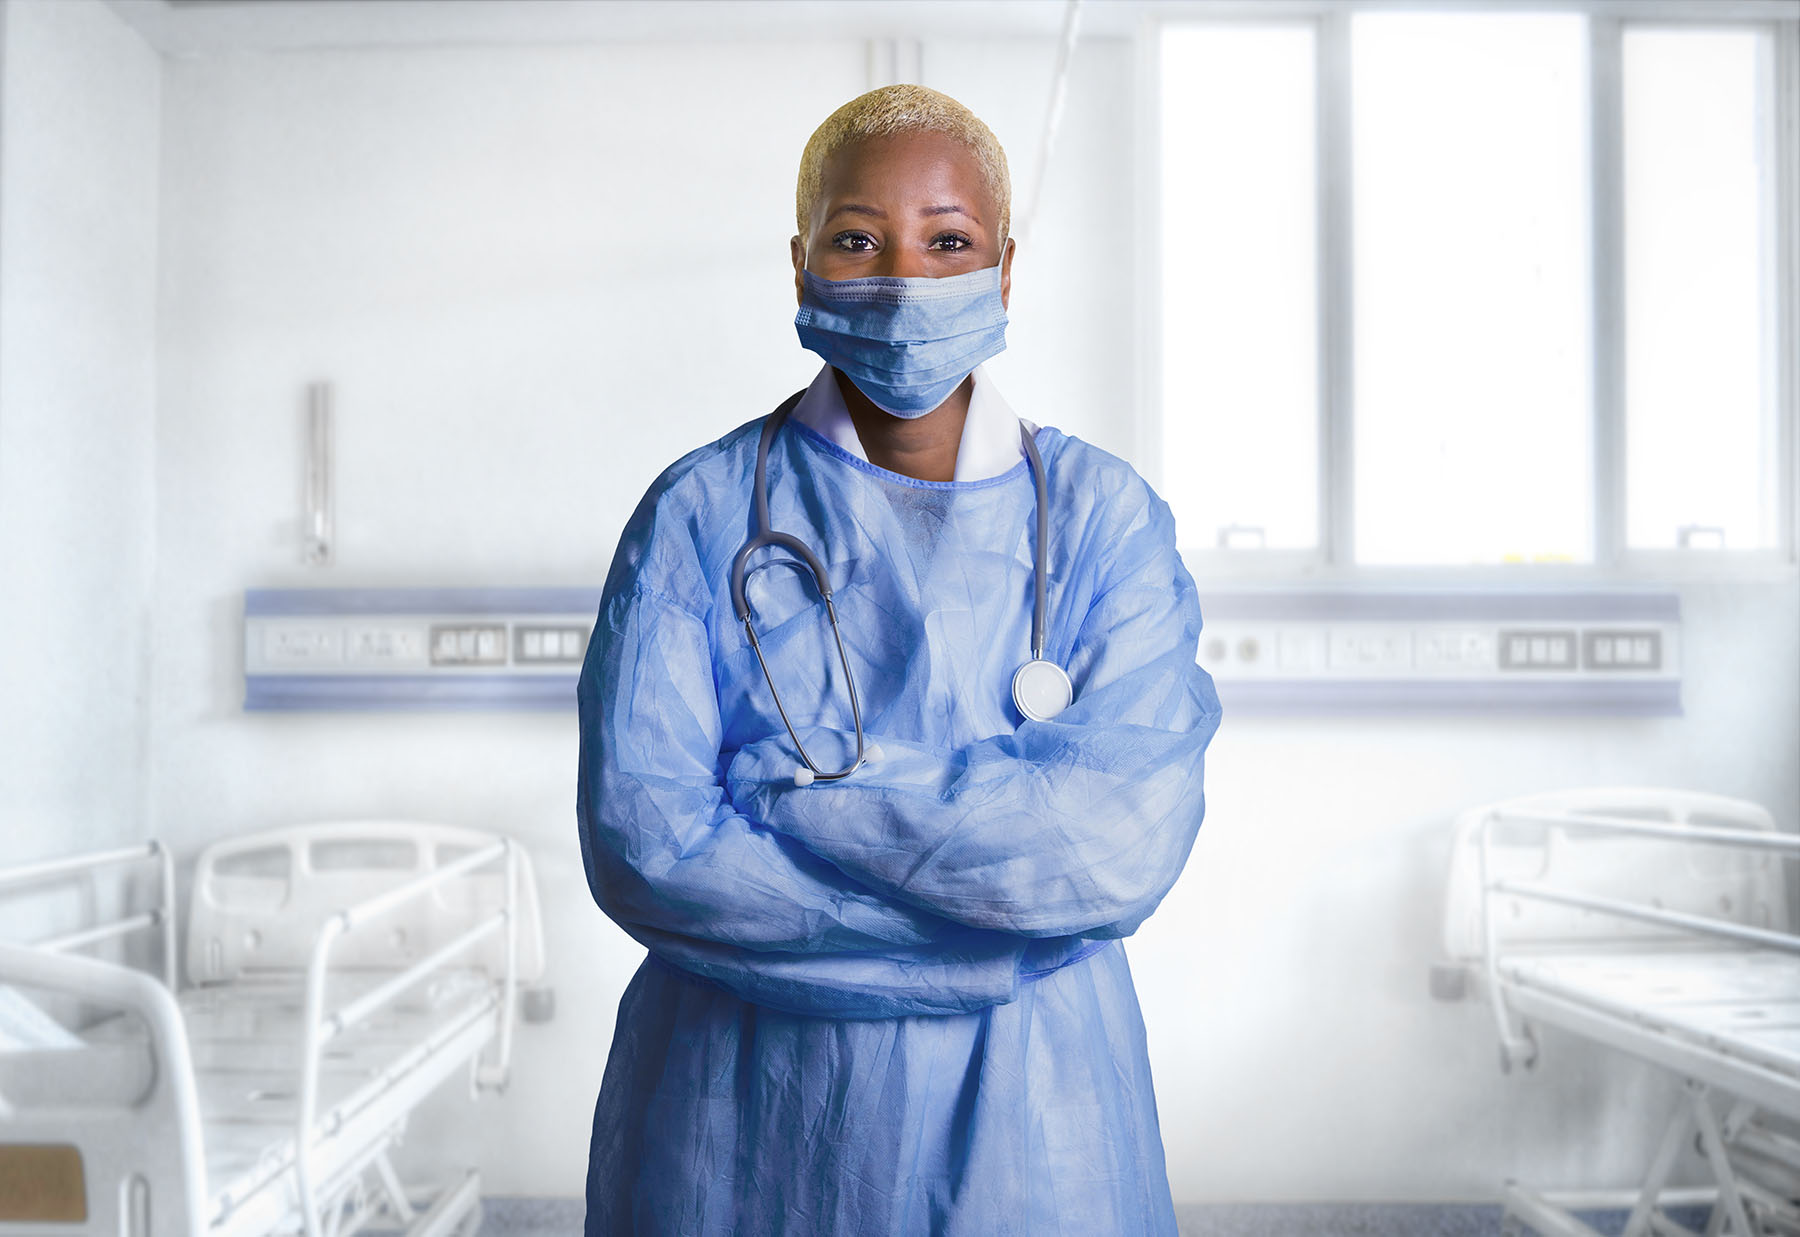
1612 558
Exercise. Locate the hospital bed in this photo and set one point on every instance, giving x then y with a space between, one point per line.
338 975
1656 923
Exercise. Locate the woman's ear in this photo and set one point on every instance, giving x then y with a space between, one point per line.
797 252
1006 272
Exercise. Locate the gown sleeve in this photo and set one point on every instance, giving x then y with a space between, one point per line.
664 850
701 885
1072 827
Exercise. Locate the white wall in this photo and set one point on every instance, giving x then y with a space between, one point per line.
528 308
79 135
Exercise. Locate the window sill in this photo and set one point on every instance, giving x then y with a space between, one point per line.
1639 568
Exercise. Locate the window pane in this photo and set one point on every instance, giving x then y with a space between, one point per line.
1239 375
1699 290
1471 274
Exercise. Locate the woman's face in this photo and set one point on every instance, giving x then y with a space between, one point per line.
915 204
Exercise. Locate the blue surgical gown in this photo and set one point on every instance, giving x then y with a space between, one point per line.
896 1003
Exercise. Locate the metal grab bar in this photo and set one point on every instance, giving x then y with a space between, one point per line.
317 1029
356 916
356 1011
98 933
1783 941
69 864
1751 839
162 916
1520 1044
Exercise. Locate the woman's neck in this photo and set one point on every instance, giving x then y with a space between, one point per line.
923 447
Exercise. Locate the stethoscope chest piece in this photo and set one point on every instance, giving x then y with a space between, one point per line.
1041 689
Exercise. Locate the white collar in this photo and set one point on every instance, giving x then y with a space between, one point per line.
990 438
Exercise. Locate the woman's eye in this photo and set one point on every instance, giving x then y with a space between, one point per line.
950 242
857 242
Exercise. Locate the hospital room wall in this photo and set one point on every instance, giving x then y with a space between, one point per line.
79 136
535 276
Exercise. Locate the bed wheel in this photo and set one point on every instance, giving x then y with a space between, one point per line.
1526 1060
1522 1052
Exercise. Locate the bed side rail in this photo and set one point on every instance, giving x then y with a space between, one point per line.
260 900
133 1165
17 881
321 1025
1671 850
1610 867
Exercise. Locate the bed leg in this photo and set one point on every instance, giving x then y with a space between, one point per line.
1519 1203
1674 1138
457 1203
396 1193
1714 1146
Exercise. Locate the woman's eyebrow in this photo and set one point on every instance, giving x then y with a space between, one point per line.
858 208
949 209
875 212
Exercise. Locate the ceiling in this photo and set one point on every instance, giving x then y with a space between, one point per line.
208 27
205 27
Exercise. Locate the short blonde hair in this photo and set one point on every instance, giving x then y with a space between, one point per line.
890 110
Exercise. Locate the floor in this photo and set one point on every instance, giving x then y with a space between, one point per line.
536 1217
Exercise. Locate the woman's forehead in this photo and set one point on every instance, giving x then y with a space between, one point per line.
906 165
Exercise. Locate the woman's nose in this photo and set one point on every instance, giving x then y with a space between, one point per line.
901 262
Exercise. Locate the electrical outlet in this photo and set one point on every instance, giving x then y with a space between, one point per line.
1622 650
1375 649
1449 651
1540 649
386 646
535 645
468 644
302 646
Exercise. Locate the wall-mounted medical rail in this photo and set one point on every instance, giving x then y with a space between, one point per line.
160 916
320 1027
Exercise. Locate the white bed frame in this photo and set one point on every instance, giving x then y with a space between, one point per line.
339 974
1655 922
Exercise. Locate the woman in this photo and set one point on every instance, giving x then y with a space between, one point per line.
893 1001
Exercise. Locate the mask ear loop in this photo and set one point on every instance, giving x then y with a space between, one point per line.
763 537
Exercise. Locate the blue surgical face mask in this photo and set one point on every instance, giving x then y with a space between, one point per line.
906 342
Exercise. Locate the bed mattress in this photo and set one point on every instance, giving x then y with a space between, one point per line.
1742 1004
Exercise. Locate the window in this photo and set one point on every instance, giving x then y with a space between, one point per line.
1700 400
1240 300
1473 289
1471 256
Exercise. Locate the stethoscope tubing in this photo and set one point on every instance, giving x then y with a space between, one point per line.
1039 568
763 536
849 679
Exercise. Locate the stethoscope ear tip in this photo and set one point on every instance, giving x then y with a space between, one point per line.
803 776
872 754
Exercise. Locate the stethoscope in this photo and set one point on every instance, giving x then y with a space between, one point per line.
1040 688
